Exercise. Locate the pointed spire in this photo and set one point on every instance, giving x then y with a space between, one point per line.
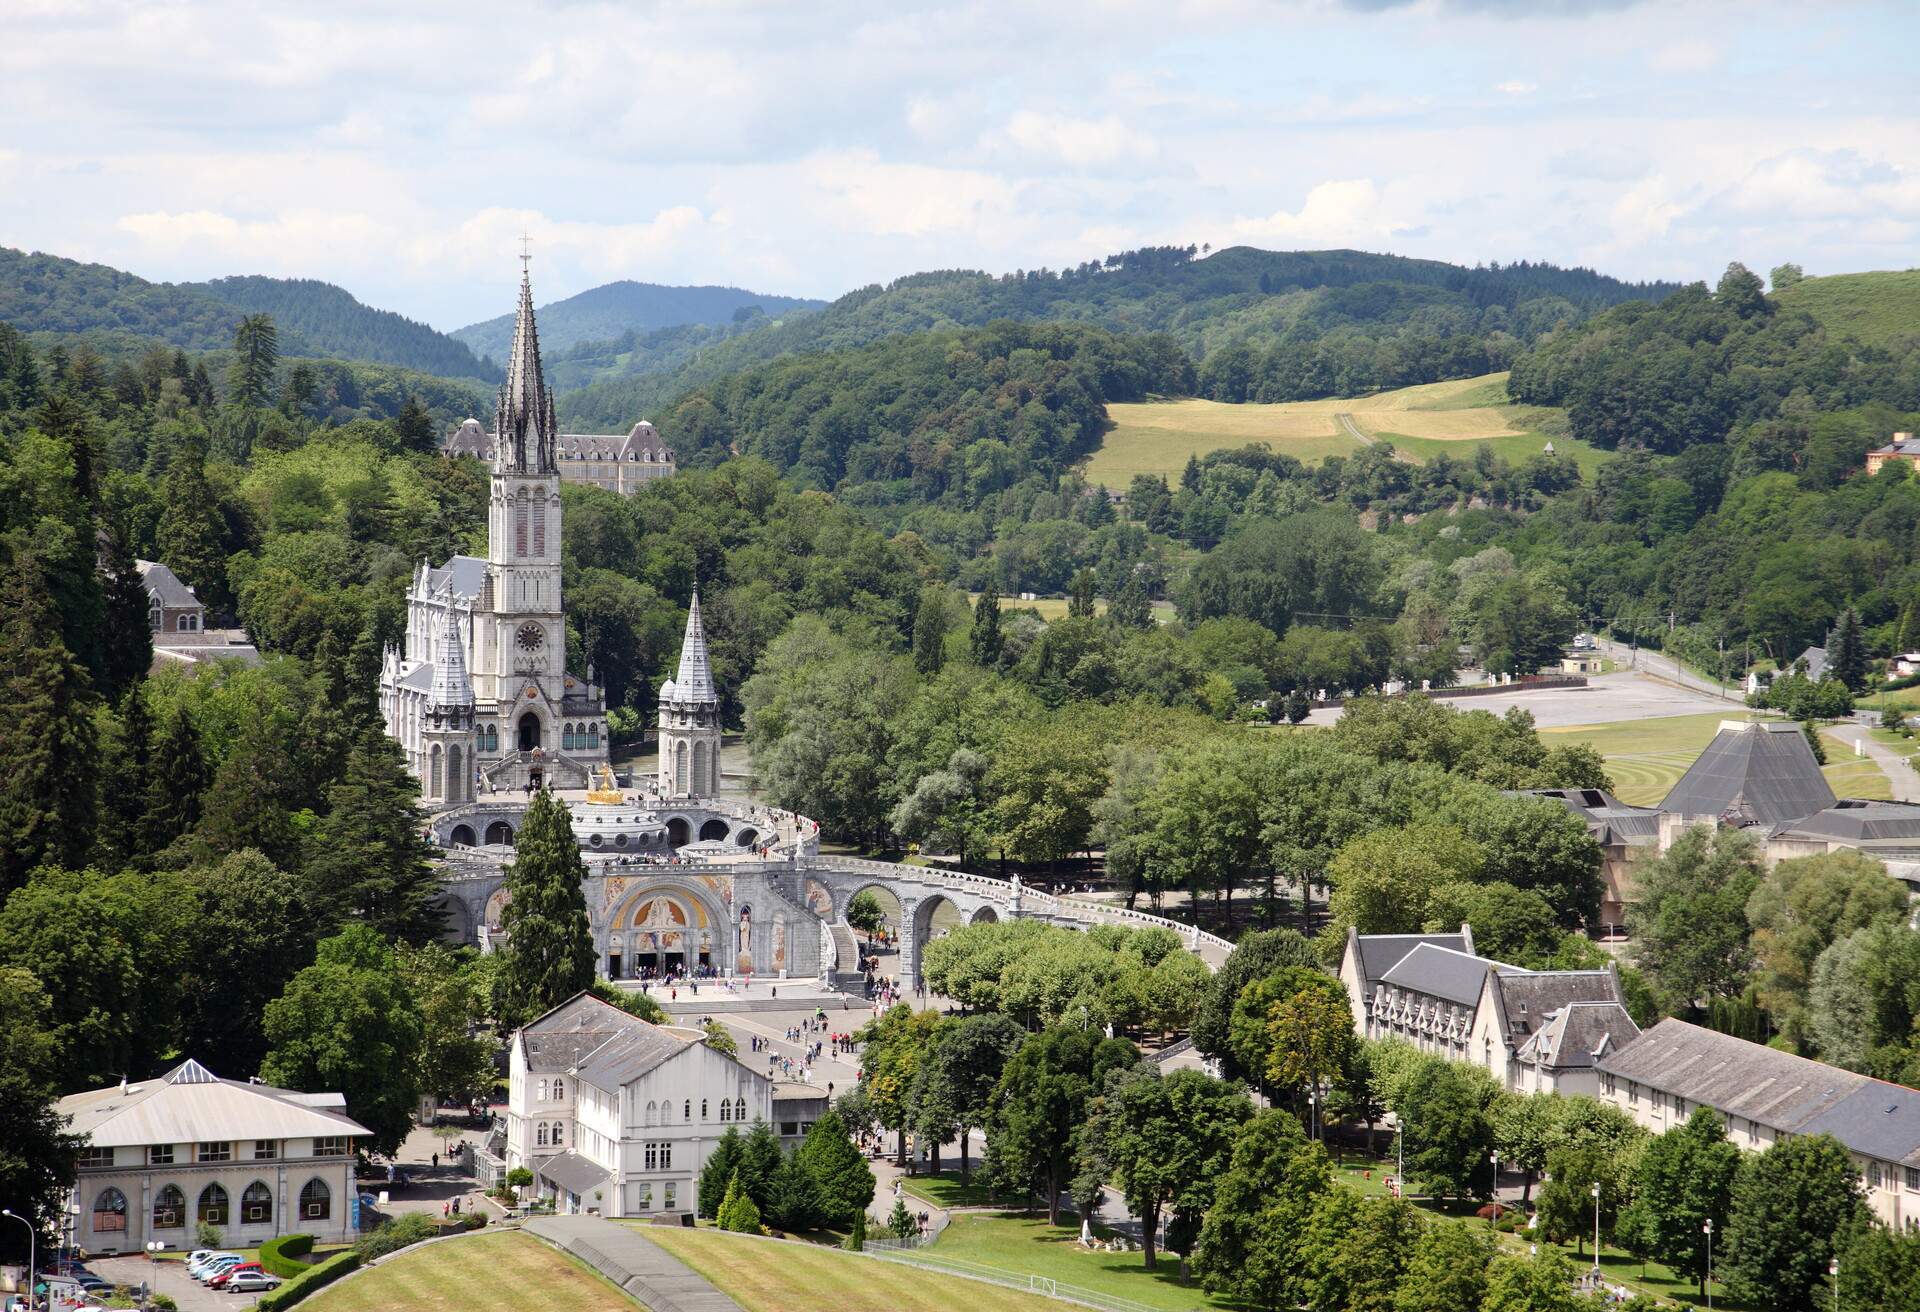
451 687
694 683
523 422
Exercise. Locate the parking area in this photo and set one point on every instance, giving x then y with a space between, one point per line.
169 1278
1607 699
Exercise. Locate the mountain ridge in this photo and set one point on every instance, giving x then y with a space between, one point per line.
614 309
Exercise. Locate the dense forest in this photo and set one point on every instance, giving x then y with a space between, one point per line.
617 308
331 322
1343 322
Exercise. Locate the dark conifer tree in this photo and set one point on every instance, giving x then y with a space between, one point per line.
126 801
48 795
1847 661
126 642
930 630
1080 595
549 955
190 528
1132 608
177 779
367 861
413 426
256 354
1190 476
986 640
254 795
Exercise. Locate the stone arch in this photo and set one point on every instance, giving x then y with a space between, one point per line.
500 832
527 731
462 836
685 910
457 920
748 836
984 916
679 832
891 909
715 829
496 904
819 899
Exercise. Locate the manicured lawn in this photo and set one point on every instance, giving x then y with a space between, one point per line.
1646 757
764 1276
1873 307
1025 1244
945 1190
503 1271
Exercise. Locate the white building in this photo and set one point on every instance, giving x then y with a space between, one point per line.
166 1154
616 1116
1765 1095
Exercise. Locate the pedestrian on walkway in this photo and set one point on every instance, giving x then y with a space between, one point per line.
436 1161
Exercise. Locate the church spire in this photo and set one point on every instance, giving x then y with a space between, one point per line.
523 422
694 683
451 687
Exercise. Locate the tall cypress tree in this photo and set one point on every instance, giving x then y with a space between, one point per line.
126 801
368 860
126 642
176 781
47 790
190 527
930 630
985 641
549 955
1847 661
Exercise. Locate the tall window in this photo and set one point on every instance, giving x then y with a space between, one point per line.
543 1091
520 524
316 1200
169 1209
559 1090
434 786
726 1110
540 527
256 1204
216 1152
703 1109
109 1211
213 1205
686 1112
540 1135
739 1109
265 1150
456 777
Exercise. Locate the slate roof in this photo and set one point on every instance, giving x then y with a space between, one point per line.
1525 998
1578 1034
1610 819
571 1172
1380 953
463 574
1760 773
165 586
642 442
1734 1076
1859 823
597 1042
190 1104
1816 659
1443 972
693 682
420 677
1878 1120
631 1054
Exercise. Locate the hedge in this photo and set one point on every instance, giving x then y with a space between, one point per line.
317 1276
282 1256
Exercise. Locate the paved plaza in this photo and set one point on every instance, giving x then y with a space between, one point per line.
1607 699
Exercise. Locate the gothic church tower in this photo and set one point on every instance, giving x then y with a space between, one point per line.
690 719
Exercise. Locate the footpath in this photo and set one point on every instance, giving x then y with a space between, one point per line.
623 1254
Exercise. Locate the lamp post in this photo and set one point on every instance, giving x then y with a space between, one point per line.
1494 1220
1833 1269
33 1238
1706 1228
1595 1191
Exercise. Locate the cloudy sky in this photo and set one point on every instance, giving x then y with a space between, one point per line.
399 147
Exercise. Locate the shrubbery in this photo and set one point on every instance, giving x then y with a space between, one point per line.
318 1276
284 1256
395 1235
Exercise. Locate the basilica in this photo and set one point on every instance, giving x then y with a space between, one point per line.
479 696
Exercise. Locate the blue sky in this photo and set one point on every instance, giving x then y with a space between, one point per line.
400 148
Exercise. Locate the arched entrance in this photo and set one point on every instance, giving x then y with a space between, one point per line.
713 831
747 837
500 832
985 916
679 832
462 836
664 932
529 729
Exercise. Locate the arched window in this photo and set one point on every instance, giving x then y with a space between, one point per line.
593 736
434 775
540 1135
169 1209
700 784
726 1110
213 1205
540 526
703 1109
520 524
456 777
566 737
316 1200
686 1113
559 1134
184 624
109 1211
256 1204
739 1109
653 1113
680 768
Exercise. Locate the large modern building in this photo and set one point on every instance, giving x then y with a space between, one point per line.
479 696
617 1116
1765 1095
162 1156
1533 1030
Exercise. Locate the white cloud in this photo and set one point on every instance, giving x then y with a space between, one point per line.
1685 57
1516 88
1079 142
1350 212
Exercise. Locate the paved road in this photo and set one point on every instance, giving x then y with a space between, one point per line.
1903 778
1662 666
623 1254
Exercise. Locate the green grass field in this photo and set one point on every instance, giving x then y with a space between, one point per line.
1026 1245
1158 437
1646 757
769 1277
1872 307
945 1190
490 1272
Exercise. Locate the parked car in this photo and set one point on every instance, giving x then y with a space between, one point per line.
215 1266
197 1261
250 1282
219 1279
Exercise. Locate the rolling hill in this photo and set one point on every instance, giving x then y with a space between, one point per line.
331 321
604 313
1874 307
1241 299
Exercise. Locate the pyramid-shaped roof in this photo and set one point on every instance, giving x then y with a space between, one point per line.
451 686
694 680
524 425
1760 773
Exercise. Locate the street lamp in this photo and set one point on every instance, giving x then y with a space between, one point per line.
1833 1269
33 1237
1595 1191
1494 1220
1706 1228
